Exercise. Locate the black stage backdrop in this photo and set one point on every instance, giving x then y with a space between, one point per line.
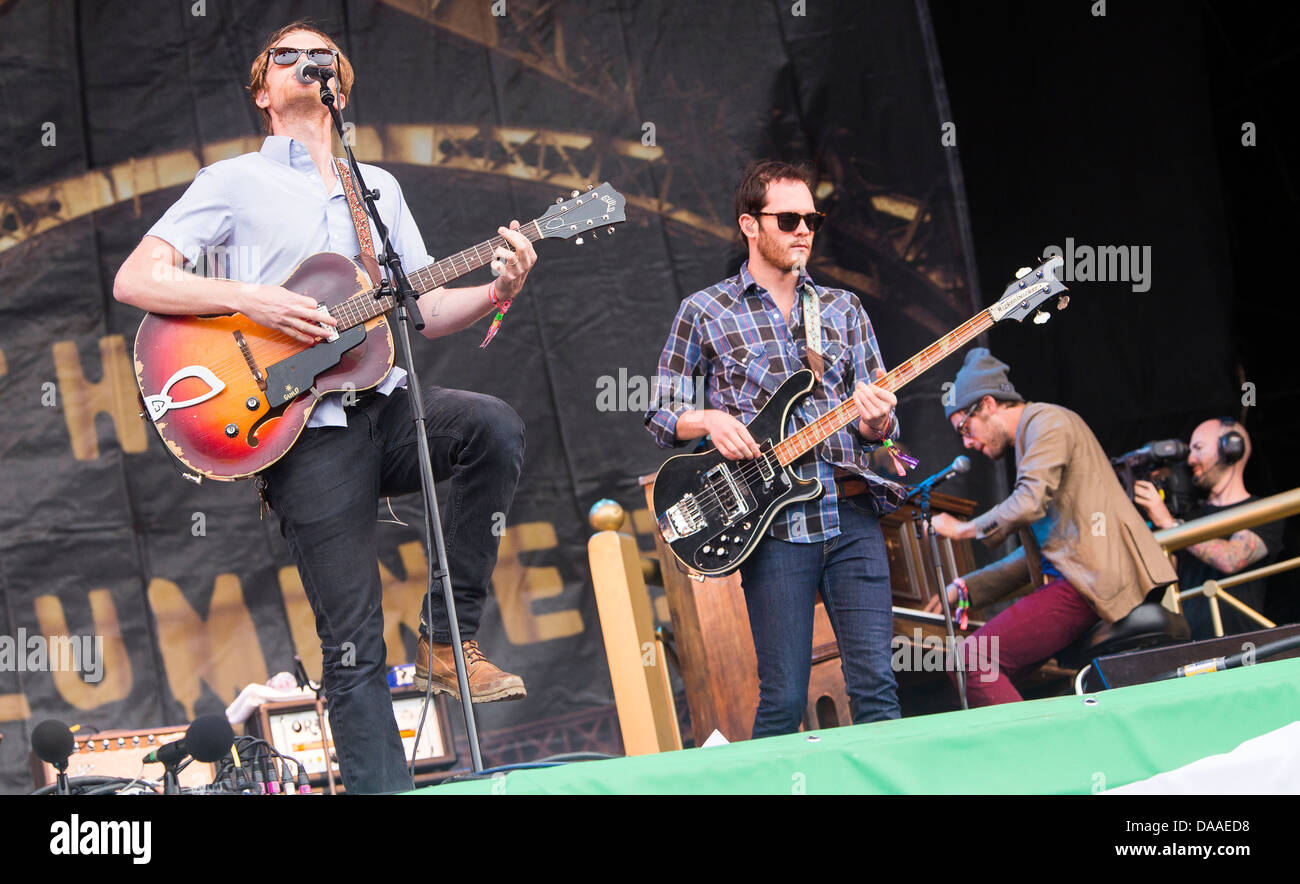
1160 124
483 117
1097 129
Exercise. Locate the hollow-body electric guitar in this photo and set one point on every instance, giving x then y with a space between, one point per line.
712 512
229 397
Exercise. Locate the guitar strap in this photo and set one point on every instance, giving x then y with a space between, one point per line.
812 324
360 221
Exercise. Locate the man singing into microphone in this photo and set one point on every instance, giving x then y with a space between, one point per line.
745 335
1084 547
274 208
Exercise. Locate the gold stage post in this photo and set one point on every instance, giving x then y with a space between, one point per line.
637 668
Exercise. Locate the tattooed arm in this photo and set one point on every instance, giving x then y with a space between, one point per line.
1232 555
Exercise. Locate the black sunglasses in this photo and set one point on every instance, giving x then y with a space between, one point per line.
789 221
285 55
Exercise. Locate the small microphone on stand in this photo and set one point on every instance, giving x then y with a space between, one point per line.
208 739
52 742
960 464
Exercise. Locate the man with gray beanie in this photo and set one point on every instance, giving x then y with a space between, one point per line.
1083 544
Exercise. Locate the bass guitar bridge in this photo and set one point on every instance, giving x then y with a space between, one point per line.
682 519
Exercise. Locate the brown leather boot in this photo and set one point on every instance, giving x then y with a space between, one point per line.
487 683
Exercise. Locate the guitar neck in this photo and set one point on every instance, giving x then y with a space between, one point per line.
799 443
365 306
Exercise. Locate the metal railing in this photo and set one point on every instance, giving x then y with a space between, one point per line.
1224 524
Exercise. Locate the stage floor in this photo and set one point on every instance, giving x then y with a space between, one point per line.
1060 745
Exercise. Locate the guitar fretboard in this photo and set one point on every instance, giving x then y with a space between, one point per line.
797 444
364 306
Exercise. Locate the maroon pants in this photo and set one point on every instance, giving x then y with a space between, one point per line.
1020 638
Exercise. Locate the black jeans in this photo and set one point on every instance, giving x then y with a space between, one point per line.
326 493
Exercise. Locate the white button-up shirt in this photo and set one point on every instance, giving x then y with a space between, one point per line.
258 215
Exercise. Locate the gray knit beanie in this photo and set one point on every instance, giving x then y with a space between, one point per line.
981 375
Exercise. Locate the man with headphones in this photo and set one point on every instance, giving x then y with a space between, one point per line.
1217 457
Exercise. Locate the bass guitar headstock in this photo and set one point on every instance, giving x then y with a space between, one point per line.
1033 287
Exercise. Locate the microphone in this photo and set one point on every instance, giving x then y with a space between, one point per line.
960 464
208 739
308 73
52 742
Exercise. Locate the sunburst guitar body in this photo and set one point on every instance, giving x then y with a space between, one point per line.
230 397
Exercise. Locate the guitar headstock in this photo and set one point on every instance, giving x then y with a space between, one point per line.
584 213
1033 286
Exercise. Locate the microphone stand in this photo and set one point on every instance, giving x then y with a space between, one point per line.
924 524
61 779
408 313
171 781
300 673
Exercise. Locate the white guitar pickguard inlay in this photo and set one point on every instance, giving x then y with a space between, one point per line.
162 403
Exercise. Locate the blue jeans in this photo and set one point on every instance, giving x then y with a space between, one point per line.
326 491
782 580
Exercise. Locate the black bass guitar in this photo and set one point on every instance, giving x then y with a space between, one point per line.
712 511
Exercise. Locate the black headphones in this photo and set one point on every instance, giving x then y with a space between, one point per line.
1232 445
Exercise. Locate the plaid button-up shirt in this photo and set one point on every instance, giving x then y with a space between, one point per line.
731 343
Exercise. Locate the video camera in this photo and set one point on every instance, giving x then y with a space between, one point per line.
1164 465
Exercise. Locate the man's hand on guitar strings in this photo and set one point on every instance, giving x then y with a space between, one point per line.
512 267
873 403
732 438
285 311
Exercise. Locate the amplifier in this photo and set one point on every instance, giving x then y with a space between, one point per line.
121 754
293 728
1139 667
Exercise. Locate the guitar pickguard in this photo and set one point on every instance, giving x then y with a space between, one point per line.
288 379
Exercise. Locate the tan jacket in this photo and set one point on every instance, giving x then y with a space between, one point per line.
1096 539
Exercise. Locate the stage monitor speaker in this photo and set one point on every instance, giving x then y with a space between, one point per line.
121 754
1140 667
292 727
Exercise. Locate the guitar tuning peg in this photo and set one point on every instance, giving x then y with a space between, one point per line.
578 241
575 193
610 229
1024 271
1041 317
1062 302
558 200
591 187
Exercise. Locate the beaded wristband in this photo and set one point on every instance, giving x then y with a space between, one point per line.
963 602
502 307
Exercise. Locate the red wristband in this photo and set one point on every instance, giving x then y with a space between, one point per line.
492 297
